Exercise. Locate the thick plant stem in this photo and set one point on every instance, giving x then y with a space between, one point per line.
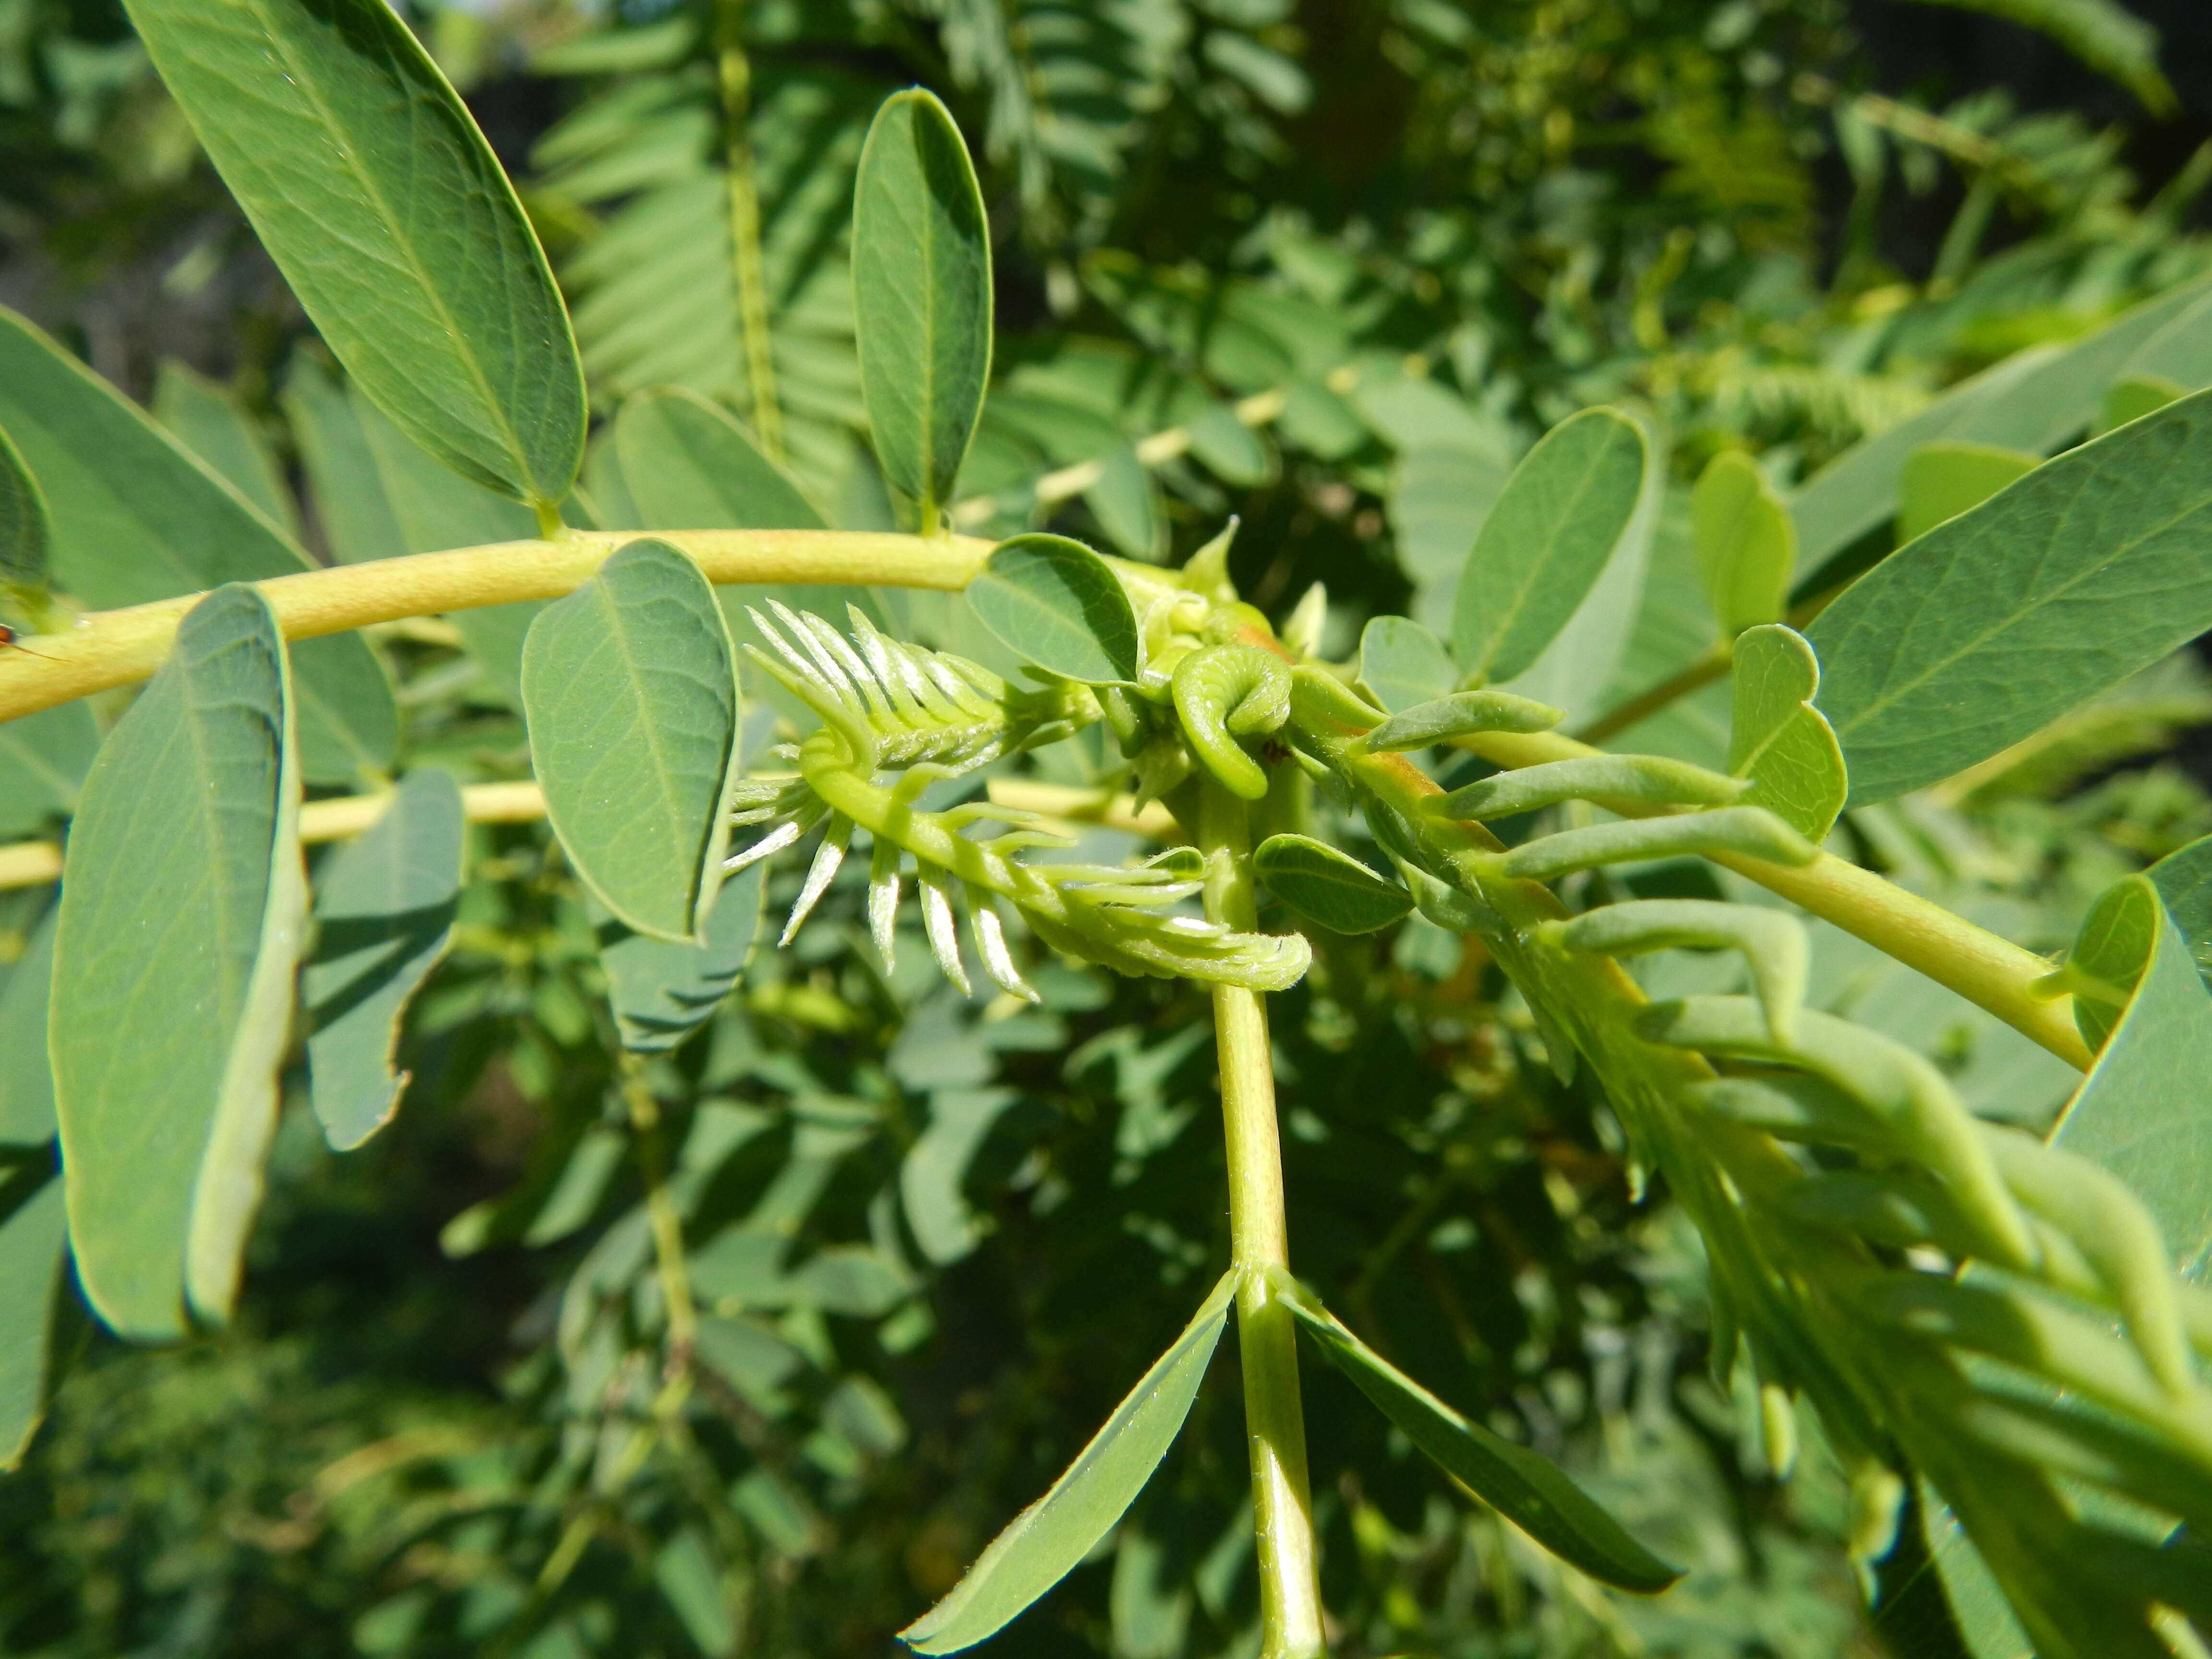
748 275
1274 1420
116 648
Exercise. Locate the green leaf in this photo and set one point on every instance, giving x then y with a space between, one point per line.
436 509
384 914
1528 1489
2095 565
2140 1112
208 419
921 296
2114 943
1328 887
26 1081
1778 738
630 687
356 516
1746 543
1942 480
690 466
2183 880
2134 396
43 758
1556 525
383 207
1054 603
23 531
1401 664
180 929
1985 1619
34 1242
662 992
136 517
2035 400
1048 1540
2103 33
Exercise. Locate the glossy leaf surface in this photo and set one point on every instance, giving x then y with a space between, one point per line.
370 187
1048 1540
662 992
1778 738
631 691
1562 513
1054 603
1747 544
921 295
136 518
1528 1489
1328 886
180 930
384 914
2140 1110
2092 567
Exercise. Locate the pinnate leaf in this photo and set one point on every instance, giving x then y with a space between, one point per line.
921 296
1528 1489
181 924
1778 738
136 517
384 914
630 689
1989 626
372 190
1054 603
1555 526
1942 480
1747 544
1048 1540
1328 886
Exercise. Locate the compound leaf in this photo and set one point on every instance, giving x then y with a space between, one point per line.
384 914
1328 886
662 992
1992 625
1747 544
630 689
1561 514
181 920
1528 1489
921 296
1046 1541
1778 738
1054 603
1942 480
136 517
372 190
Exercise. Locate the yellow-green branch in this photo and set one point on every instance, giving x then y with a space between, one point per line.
118 648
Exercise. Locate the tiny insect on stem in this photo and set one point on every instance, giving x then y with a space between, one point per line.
11 641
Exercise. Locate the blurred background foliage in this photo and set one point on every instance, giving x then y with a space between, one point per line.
1326 265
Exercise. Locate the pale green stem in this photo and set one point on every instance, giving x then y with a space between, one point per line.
118 647
1266 1338
667 1225
747 271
